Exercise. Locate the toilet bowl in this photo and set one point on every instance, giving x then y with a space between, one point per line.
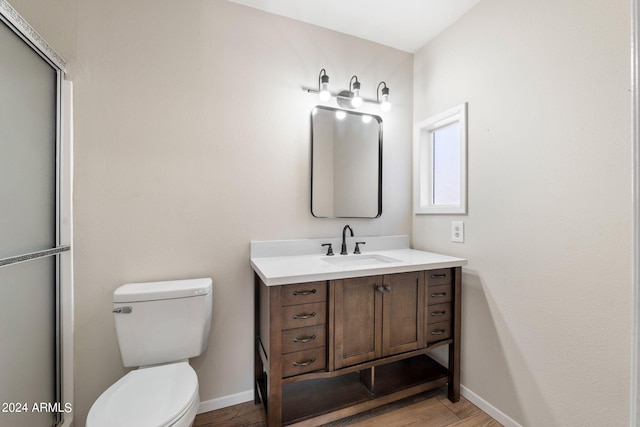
159 396
159 325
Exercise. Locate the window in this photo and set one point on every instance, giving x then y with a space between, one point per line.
440 163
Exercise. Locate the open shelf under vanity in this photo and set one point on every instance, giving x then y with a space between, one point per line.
327 399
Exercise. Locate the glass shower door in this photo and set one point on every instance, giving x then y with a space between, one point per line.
29 354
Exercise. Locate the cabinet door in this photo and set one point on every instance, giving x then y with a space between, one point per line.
358 333
403 313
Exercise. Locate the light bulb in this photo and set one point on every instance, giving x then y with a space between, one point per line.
340 114
385 105
325 95
366 118
356 101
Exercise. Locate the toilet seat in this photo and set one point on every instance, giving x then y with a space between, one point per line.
158 396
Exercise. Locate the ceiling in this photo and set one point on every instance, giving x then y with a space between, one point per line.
403 24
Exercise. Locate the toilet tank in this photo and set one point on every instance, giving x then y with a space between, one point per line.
161 322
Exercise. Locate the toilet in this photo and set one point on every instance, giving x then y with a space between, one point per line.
160 325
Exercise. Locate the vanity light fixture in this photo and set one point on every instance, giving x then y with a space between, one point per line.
351 98
385 105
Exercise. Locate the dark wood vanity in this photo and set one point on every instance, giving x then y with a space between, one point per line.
329 349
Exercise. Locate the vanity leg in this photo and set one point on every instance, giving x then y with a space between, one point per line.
267 348
274 359
274 403
257 360
367 377
256 375
454 347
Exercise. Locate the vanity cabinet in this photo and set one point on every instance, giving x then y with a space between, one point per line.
329 349
378 316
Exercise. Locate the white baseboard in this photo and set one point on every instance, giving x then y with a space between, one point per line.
246 396
488 408
225 401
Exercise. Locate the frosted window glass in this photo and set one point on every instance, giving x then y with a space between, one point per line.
446 165
27 333
27 148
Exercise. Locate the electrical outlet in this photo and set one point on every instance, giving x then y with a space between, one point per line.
457 231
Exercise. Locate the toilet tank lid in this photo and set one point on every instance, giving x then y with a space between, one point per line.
151 291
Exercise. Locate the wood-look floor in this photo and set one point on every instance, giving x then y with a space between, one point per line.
429 409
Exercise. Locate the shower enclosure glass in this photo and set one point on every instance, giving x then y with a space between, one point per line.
30 382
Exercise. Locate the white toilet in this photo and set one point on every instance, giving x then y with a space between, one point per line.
160 325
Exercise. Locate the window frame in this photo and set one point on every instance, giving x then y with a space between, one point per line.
423 162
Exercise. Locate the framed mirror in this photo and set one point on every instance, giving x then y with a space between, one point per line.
346 164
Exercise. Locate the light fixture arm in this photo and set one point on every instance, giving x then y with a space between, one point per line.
354 85
322 78
384 103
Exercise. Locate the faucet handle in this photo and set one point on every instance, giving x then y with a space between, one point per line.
330 250
357 249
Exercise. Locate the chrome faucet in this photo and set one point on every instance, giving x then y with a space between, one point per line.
344 243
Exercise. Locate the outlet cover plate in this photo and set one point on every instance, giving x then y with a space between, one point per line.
457 231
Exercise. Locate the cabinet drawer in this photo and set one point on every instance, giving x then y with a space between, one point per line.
439 312
304 361
438 331
304 338
303 293
439 294
439 277
299 316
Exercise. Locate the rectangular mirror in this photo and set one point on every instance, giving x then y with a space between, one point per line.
346 164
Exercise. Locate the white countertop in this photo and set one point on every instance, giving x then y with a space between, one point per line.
287 269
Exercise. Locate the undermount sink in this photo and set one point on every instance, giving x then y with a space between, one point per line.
358 260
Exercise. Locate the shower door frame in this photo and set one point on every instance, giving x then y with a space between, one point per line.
64 219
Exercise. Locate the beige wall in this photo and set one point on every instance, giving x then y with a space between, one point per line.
192 138
547 293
